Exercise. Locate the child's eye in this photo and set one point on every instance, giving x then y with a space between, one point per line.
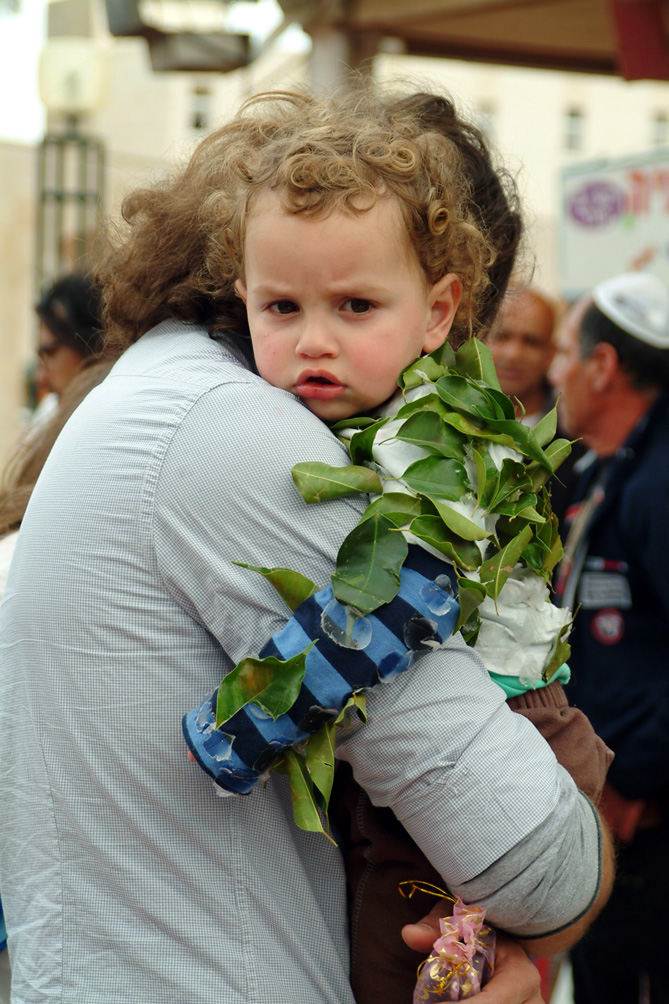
357 306
283 306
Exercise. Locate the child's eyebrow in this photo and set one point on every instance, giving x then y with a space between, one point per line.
355 287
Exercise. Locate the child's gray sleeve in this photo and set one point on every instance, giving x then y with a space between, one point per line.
480 792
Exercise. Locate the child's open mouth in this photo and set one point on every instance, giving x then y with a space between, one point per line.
318 385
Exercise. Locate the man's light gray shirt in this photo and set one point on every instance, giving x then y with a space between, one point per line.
125 878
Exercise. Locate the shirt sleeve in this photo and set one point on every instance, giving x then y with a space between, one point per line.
469 780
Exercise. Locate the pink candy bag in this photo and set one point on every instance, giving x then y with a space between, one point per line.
462 959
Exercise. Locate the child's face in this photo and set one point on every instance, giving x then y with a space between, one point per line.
337 307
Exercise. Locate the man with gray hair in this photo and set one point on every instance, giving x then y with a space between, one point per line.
612 369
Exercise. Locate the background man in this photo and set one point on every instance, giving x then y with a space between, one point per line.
522 346
612 369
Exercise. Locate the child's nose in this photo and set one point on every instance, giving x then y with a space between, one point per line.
316 340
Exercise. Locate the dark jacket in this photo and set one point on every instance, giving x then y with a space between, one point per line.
620 644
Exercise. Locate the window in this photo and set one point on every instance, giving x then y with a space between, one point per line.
660 129
485 119
201 109
574 129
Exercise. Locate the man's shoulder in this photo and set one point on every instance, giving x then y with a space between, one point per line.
185 355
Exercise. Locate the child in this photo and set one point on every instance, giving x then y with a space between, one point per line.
357 259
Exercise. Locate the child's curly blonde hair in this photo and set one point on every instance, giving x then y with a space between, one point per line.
184 247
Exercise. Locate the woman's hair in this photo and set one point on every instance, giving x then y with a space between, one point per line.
24 467
184 244
70 309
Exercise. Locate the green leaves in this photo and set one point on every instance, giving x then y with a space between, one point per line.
438 476
310 769
484 510
496 569
368 564
360 446
427 429
462 553
270 683
473 359
292 587
316 482
303 794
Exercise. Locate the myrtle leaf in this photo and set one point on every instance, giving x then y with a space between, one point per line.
487 475
271 683
305 808
426 369
357 702
319 749
513 478
470 596
459 524
368 565
474 359
426 429
545 429
496 569
440 476
398 507
556 452
356 422
463 553
431 402
523 438
560 654
503 403
465 396
316 482
445 356
292 587
360 445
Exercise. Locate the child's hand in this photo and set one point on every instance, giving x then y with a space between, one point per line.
516 979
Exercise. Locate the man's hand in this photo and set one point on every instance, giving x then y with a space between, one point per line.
516 979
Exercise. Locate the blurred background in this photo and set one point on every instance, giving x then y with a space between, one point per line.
99 97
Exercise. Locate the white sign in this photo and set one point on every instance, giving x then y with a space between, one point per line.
614 218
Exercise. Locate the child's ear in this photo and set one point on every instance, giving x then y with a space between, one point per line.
443 301
241 289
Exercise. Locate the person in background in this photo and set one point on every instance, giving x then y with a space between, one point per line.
521 342
612 371
16 488
69 332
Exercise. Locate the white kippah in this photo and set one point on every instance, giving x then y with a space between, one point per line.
639 304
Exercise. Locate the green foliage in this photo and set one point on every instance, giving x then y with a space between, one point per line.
473 360
495 570
425 428
397 507
459 422
317 482
310 769
439 476
367 574
361 442
292 587
271 683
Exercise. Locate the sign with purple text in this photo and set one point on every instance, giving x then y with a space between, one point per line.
614 218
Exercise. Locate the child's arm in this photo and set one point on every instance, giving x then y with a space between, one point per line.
569 734
236 754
